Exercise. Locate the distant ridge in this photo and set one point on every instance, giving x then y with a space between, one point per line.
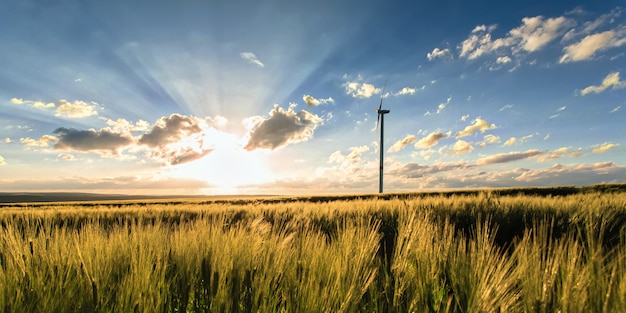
33 197
17 197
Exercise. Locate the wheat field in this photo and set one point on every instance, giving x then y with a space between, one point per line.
459 252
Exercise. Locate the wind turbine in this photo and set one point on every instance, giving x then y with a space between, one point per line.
381 119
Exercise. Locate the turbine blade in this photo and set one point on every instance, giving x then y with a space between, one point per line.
377 120
380 106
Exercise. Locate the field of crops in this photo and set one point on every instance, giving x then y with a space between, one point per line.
484 251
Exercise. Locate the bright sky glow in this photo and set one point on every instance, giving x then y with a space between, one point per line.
279 97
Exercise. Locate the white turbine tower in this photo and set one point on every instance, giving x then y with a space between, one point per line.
381 119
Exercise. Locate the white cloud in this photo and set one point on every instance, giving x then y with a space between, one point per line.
615 109
603 147
438 53
251 57
42 142
536 32
431 140
610 81
503 60
63 108
461 147
464 117
311 101
400 144
479 125
587 47
489 139
511 141
361 90
76 109
2 161
353 157
7 140
405 91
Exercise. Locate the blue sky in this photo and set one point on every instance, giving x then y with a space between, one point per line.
279 97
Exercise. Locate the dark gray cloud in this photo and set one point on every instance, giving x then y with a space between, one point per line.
281 128
171 129
90 140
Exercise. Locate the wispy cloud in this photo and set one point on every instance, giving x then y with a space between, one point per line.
587 47
312 102
62 108
439 53
615 109
508 157
601 148
251 57
506 107
405 91
509 142
611 80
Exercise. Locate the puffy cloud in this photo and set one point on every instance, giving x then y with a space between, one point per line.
171 129
178 139
479 125
311 101
251 57
281 128
2 161
603 147
361 90
90 140
461 147
438 53
508 157
431 140
123 126
76 109
399 145
489 139
587 47
611 80
7 140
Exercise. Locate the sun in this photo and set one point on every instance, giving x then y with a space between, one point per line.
229 167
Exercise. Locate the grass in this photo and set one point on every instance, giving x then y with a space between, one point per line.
463 252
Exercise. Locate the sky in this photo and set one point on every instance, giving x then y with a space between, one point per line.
280 97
